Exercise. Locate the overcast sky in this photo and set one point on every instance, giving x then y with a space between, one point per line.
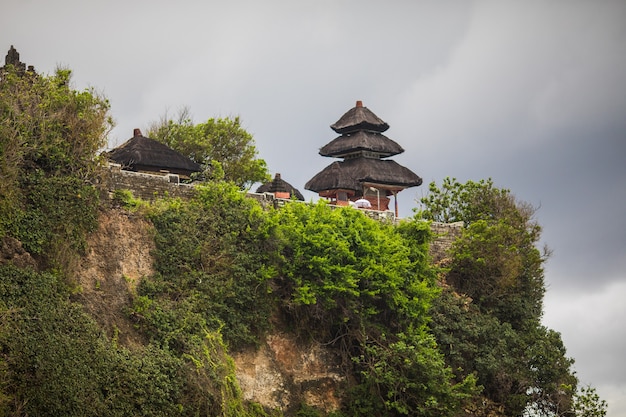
529 93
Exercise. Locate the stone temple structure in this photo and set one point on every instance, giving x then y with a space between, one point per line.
13 58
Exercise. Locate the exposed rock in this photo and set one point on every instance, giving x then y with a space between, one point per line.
283 374
118 256
11 251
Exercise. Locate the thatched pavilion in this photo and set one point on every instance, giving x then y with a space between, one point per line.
363 172
280 188
143 154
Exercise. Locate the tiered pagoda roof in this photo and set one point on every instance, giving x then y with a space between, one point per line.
359 118
361 140
362 146
354 174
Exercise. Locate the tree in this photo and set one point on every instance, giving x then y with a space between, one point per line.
587 403
365 288
496 262
49 138
49 126
221 143
487 320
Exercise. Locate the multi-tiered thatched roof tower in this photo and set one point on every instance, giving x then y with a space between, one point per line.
363 172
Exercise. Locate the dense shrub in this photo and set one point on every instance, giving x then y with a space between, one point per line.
49 138
58 363
212 260
365 287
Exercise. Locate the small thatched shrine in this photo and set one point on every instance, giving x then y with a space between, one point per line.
143 154
280 188
363 173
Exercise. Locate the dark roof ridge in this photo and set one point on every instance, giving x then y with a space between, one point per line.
362 140
141 150
359 118
280 185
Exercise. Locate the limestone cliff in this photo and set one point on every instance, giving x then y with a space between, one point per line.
118 256
280 374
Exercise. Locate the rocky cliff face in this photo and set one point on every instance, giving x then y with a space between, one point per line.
281 373
118 256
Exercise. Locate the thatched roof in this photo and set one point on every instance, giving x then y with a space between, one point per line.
280 185
359 118
361 141
141 152
352 173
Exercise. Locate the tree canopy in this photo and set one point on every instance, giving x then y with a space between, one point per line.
221 145
488 319
49 138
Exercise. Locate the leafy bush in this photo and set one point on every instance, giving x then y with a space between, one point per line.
48 125
365 287
49 137
58 363
58 213
340 268
212 261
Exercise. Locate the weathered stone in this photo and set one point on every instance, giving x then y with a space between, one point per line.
282 374
445 235
11 251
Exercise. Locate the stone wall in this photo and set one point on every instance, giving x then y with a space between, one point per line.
144 186
151 186
445 235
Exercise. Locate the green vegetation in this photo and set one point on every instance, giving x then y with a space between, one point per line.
221 145
487 321
213 262
49 137
365 287
56 361
414 339
587 403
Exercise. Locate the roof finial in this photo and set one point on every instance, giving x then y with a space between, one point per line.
359 103
137 132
